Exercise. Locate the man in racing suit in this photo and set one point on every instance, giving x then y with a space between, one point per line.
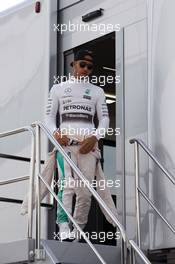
77 101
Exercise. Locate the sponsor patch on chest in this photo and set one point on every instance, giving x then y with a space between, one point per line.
87 97
77 107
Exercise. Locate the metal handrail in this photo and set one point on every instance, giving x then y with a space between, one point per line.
94 193
139 252
154 158
138 190
32 162
19 179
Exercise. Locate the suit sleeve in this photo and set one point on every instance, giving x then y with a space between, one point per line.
51 110
103 116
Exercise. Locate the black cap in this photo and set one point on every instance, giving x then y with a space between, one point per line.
81 54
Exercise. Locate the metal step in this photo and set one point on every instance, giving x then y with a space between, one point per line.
16 251
78 253
159 262
162 256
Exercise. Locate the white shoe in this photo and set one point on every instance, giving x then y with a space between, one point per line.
75 235
64 231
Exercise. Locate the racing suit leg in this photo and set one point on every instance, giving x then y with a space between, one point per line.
66 182
87 165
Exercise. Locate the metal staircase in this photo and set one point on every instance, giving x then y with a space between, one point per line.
164 256
78 253
52 251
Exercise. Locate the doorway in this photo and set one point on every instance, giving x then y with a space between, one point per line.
104 51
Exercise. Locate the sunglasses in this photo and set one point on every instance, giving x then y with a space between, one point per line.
84 64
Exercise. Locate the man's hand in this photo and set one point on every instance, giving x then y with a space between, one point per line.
63 140
88 144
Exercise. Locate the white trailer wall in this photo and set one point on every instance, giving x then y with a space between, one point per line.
24 73
162 122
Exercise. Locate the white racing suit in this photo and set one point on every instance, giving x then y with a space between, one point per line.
76 102
71 184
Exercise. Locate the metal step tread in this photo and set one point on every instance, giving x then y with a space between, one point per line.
162 256
78 253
